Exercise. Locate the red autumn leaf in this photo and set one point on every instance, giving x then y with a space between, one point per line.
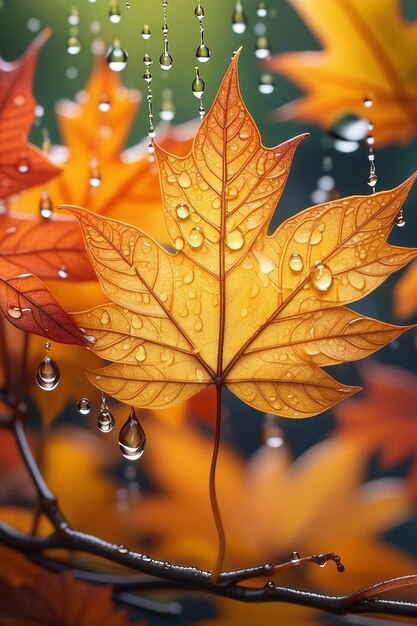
50 248
22 165
29 305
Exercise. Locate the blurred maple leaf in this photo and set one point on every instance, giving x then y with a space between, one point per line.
51 598
271 507
368 51
384 419
235 306
22 165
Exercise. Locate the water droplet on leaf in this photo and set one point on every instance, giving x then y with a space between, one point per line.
182 211
321 276
196 237
234 240
296 262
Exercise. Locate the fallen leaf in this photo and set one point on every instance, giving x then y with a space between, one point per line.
22 165
368 50
29 305
384 419
233 305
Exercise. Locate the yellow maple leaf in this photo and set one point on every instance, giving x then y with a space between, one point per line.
233 305
368 51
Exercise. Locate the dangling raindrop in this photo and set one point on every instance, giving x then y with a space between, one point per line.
116 57
271 433
47 374
23 165
399 220
165 60
105 419
95 178
198 85
45 205
74 16
201 110
46 141
295 558
321 276
84 406
202 53
114 12
146 31
167 111
239 21
262 49
104 105
266 83
132 438
367 102
73 44
261 9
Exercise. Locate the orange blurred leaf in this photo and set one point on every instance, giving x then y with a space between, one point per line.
368 51
22 165
233 305
29 305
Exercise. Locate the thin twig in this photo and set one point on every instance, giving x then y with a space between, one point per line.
213 494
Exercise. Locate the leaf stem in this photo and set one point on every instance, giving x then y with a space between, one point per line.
213 495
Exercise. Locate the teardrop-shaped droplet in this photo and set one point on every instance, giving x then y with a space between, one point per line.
84 406
266 83
262 49
45 205
372 179
399 220
127 6
165 61
105 421
321 276
146 31
104 104
196 237
198 85
15 312
199 12
114 13
132 438
234 240
147 59
239 21
295 558
73 44
167 110
201 110
203 53
47 374
116 57
271 433
261 9
147 76
367 102
295 262
182 211
23 165
179 243
74 17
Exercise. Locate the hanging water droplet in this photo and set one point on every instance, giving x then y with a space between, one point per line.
104 104
84 406
146 31
165 61
350 127
15 312
132 438
261 9
367 102
196 237
370 140
271 433
95 178
74 17
266 83
105 421
399 220
48 346
63 272
372 179
23 165
147 59
239 21
45 205
199 12
167 110
182 211
198 84
116 57
47 374
269 586
321 276
234 240
295 558
114 13
262 49
127 6
203 53
295 262
73 44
